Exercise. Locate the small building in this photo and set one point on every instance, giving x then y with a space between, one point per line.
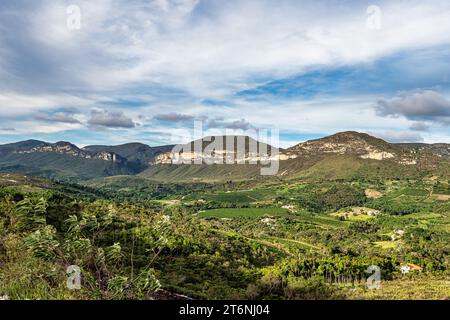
408 267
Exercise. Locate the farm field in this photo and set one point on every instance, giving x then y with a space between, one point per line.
244 212
291 240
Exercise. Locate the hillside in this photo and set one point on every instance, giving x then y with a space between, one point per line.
201 173
349 143
343 155
66 160
438 149
60 160
214 231
138 155
286 240
217 149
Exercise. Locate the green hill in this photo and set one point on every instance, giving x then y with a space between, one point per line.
204 173
345 155
59 166
138 155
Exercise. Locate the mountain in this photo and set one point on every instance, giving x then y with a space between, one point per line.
139 156
438 149
217 149
66 148
204 160
342 155
358 155
349 143
18 146
60 160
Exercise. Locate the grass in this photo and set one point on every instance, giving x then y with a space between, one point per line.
322 220
360 217
274 246
239 196
414 287
422 215
243 212
301 244
415 192
386 244
351 215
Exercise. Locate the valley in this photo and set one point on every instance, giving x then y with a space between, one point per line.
337 206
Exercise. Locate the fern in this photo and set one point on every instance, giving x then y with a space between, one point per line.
31 215
42 243
147 282
114 253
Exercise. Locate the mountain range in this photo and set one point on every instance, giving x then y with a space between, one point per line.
341 154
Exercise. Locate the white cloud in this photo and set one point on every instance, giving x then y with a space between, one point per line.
63 116
399 136
110 119
33 127
420 126
228 43
204 49
420 105
14 104
173 117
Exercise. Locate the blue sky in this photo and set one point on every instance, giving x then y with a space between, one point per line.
145 70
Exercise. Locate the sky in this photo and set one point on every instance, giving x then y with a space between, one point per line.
112 72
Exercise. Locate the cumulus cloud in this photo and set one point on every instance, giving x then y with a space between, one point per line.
418 105
399 136
7 129
419 126
220 42
173 117
110 119
60 116
179 52
234 125
207 122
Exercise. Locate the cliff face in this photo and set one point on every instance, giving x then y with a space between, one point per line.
350 143
139 156
355 144
63 159
72 150
219 149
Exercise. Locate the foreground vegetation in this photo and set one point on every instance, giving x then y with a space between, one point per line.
284 240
